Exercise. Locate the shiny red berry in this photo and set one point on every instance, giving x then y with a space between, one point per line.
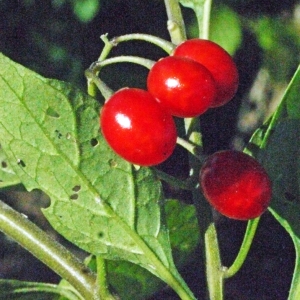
235 184
217 61
137 128
182 86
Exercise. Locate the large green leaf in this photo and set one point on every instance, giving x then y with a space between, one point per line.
50 135
280 139
184 238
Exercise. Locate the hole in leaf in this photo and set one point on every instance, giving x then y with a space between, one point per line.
289 196
59 135
52 113
21 163
85 270
100 234
113 163
94 142
76 188
68 135
3 164
74 197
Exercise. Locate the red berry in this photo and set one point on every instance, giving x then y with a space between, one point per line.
217 61
184 87
137 128
235 184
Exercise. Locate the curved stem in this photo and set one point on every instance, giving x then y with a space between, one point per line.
92 72
108 45
48 251
94 80
175 22
91 84
163 44
147 63
245 247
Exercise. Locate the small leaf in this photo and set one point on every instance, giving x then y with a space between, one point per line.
225 28
86 10
22 290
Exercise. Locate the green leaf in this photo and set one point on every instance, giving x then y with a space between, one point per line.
280 42
184 238
225 28
86 10
98 201
284 170
184 230
280 141
22 290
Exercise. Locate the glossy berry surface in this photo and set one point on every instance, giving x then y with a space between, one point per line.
184 87
235 184
137 128
217 61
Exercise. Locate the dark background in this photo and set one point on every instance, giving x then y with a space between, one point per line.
55 40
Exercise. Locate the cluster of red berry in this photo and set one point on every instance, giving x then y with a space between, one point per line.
139 124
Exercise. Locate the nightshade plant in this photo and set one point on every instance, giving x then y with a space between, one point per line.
115 211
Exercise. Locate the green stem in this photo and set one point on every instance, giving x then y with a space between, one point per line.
245 247
204 34
214 272
48 251
188 185
94 80
108 45
103 290
175 23
163 44
92 72
202 11
193 149
91 84
147 63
